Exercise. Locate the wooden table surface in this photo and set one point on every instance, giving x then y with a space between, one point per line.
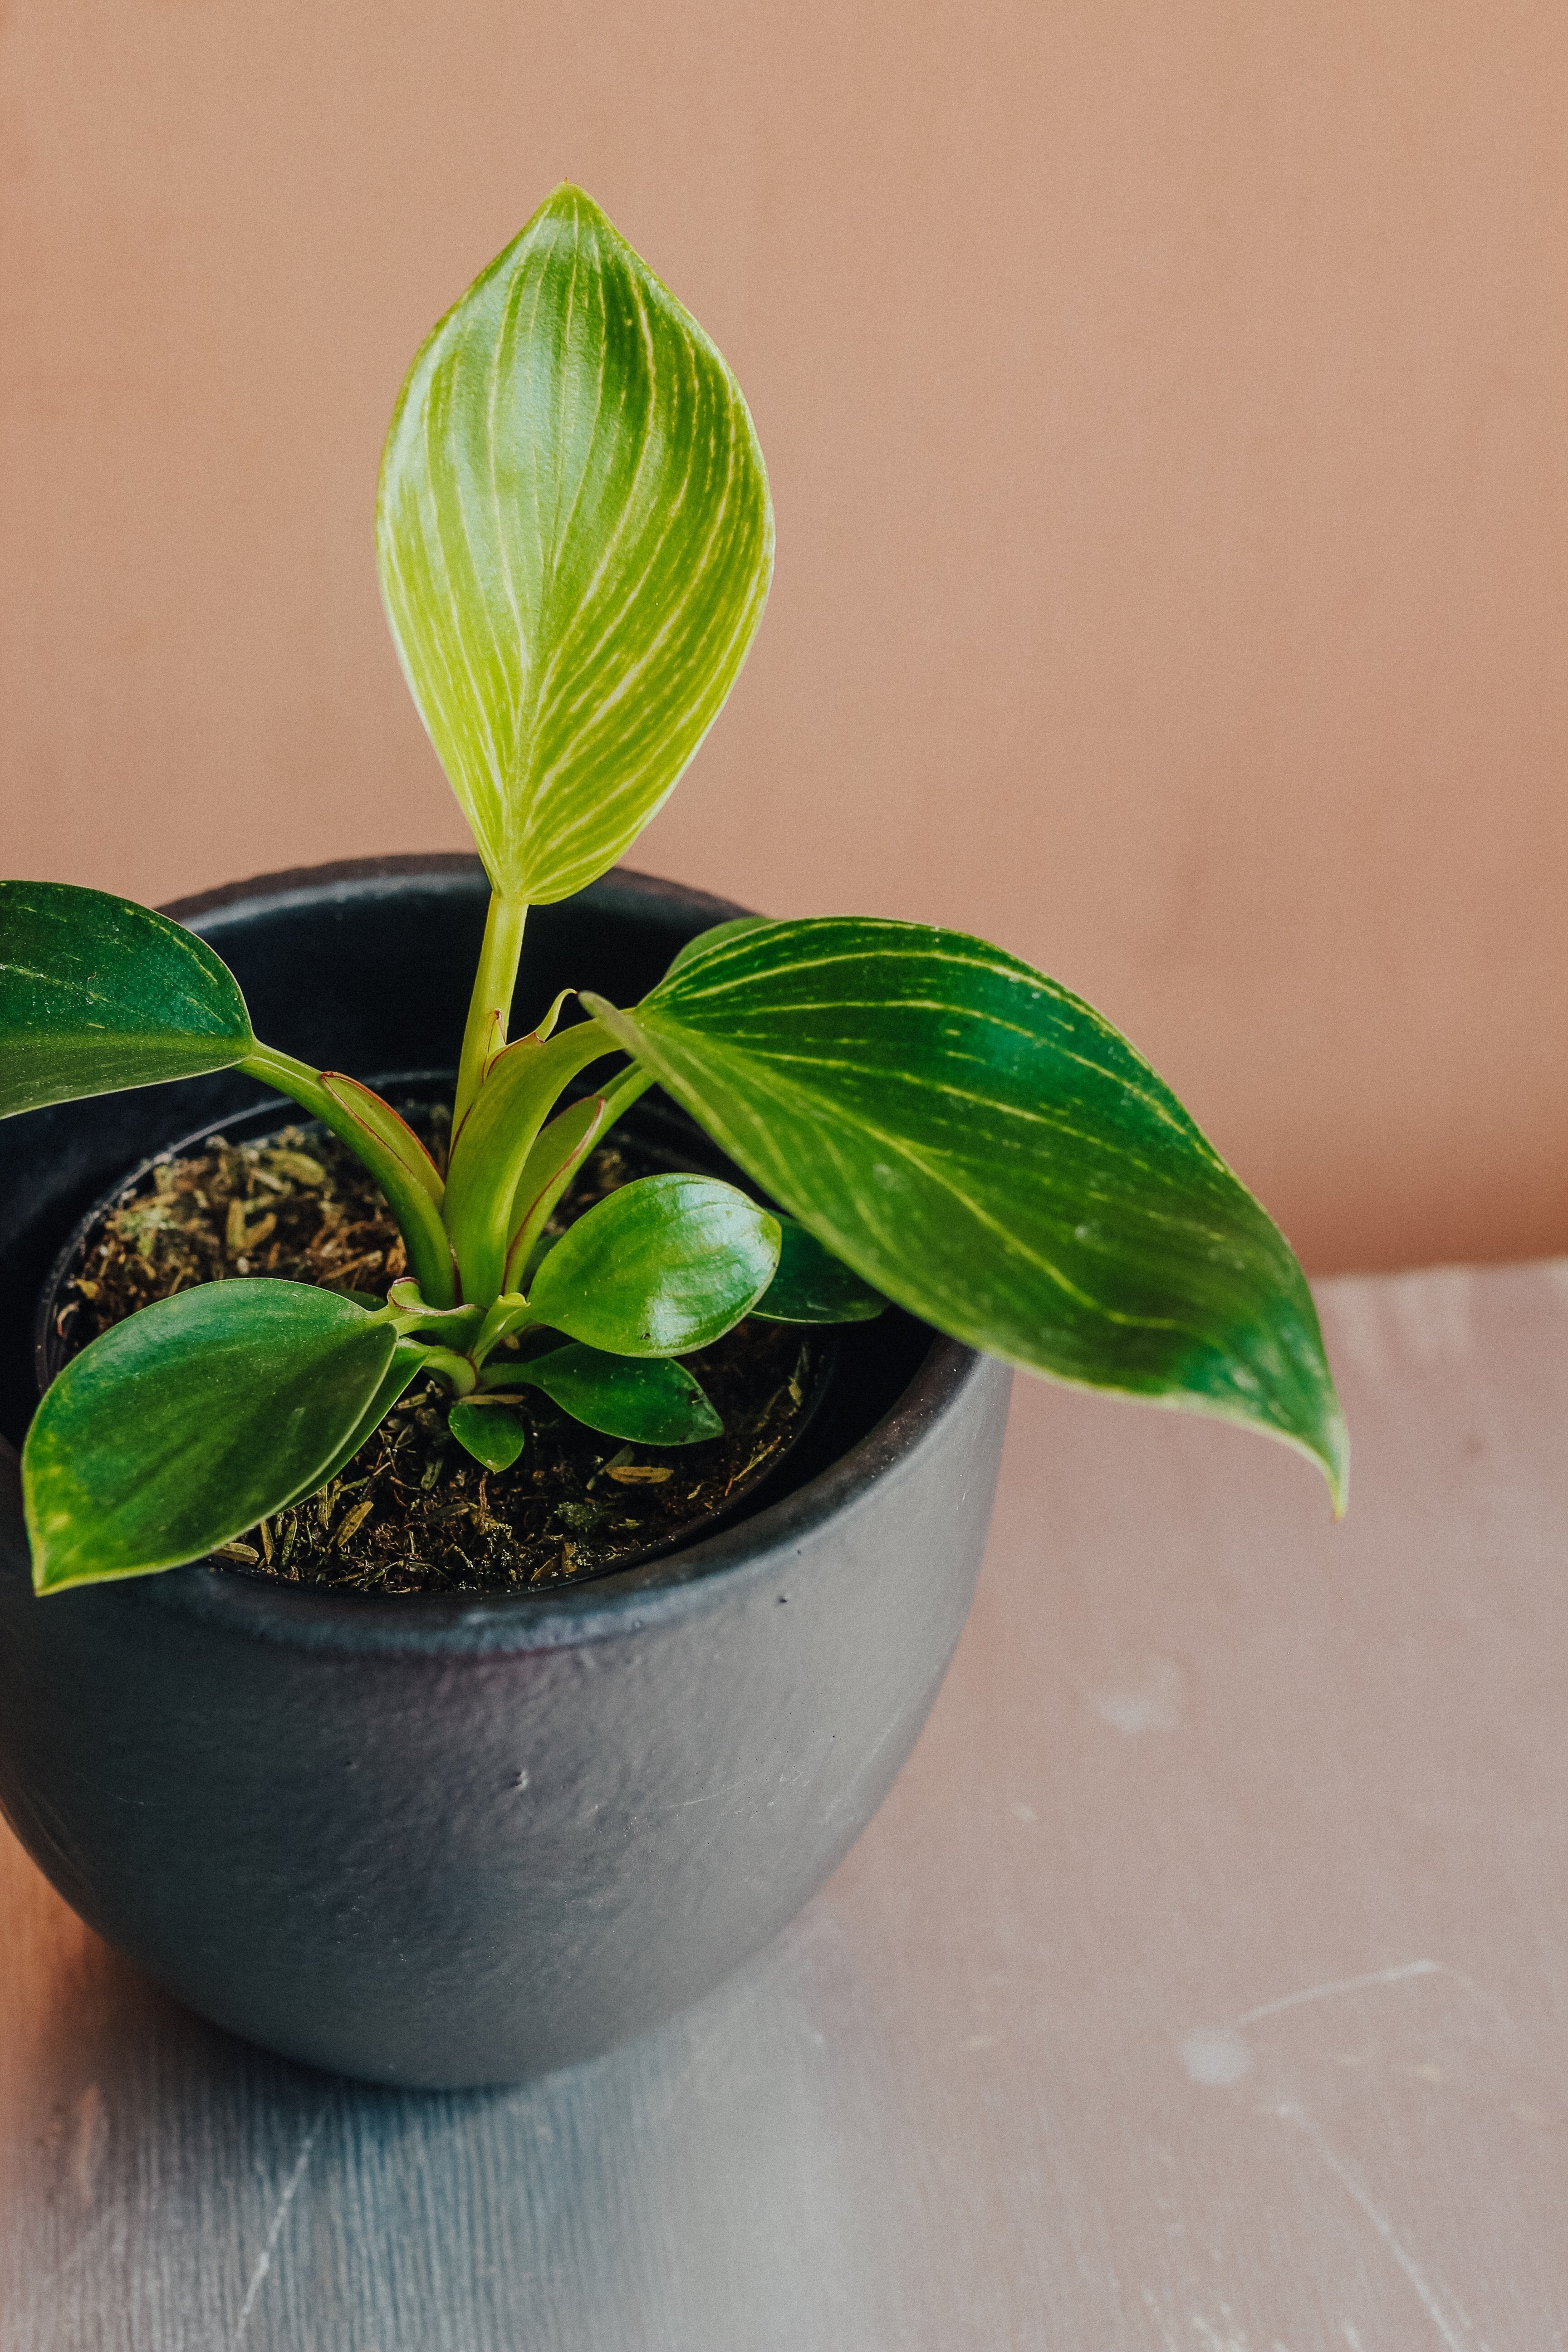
1203 1986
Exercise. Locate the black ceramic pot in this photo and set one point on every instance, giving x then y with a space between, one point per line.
450 1841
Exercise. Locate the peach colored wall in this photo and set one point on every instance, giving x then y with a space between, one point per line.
1165 406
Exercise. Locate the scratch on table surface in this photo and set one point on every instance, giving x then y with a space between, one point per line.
1207 2333
1396 1975
1452 2331
88 2141
264 2260
1217 2055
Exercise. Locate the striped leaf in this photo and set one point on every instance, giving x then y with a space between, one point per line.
97 993
180 1427
982 1147
575 541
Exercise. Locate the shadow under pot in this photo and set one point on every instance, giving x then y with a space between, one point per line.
465 1838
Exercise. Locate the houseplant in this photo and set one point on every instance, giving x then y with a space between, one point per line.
575 541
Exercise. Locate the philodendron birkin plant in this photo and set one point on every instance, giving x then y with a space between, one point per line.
575 541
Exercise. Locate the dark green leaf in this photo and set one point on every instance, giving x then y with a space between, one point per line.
408 1361
812 1286
575 542
648 1402
97 993
712 936
661 1267
489 1432
986 1150
190 1421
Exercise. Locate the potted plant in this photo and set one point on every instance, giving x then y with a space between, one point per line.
456 1839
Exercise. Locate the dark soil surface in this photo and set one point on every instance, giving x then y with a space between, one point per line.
413 1512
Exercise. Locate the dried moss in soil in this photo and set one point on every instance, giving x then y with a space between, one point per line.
413 1512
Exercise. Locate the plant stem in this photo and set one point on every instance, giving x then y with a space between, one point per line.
506 1314
458 1327
418 1218
627 1088
488 1155
529 1221
489 1008
292 1077
454 1368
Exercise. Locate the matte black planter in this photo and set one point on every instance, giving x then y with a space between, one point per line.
458 1841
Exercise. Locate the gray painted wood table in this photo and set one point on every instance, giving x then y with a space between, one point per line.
1201 1988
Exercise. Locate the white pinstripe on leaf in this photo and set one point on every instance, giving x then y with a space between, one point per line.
575 541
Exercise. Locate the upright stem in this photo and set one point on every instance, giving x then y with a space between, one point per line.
491 1006
489 1152
406 1182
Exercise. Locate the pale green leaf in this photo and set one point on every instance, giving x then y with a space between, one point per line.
575 541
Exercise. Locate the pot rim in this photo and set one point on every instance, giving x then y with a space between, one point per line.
662 1591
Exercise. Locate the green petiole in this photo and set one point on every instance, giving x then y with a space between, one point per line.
489 1007
490 1153
389 1149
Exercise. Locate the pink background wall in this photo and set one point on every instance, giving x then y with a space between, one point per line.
1166 408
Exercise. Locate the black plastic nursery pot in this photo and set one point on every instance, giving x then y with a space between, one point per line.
447 1841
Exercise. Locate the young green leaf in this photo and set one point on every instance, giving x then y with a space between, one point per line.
560 1152
193 1418
985 1149
662 1265
491 1148
812 1286
575 541
647 1402
97 993
488 1433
